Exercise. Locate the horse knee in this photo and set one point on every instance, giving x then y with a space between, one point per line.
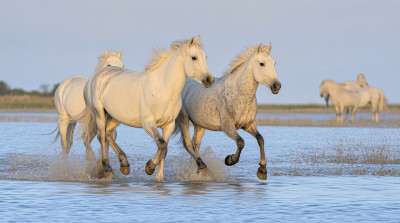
240 143
259 137
161 143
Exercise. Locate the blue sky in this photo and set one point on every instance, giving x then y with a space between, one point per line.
44 42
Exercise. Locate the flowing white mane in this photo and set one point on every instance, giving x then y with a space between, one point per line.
242 58
102 59
158 56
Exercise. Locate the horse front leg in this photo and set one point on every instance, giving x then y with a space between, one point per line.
337 110
228 127
341 110
167 131
151 129
197 136
353 112
111 136
262 170
347 113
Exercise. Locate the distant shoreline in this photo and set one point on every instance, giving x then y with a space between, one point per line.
28 103
40 104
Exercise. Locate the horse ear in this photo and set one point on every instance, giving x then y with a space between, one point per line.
106 53
269 47
120 54
260 48
199 39
191 41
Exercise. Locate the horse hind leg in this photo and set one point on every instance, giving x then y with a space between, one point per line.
63 131
101 133
70 135
87 139
111 136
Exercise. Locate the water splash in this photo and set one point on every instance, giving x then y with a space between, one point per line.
186 168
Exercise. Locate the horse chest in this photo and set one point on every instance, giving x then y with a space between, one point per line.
242 111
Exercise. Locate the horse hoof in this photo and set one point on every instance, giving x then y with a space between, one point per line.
261 176
150 167
262 172
229 161
124 169
109 175
202 171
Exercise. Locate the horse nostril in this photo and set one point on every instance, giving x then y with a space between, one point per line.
208 80
277 85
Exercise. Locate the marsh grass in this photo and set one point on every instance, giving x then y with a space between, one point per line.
26 102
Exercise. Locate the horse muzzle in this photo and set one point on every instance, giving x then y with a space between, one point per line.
208 81
275 87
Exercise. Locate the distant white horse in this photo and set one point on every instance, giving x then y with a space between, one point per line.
69 102
361 82
358 97
143 100
229 105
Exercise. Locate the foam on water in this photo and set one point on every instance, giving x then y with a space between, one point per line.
186 169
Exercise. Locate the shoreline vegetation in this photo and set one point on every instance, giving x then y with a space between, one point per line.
45 104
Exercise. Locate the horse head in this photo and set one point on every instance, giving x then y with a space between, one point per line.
195 64
113 59
264 68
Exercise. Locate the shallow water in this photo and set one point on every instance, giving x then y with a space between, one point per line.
324 116
315 174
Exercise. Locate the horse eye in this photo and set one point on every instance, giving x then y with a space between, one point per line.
262 64
194 58
109 65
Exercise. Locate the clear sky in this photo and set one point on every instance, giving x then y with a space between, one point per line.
43 42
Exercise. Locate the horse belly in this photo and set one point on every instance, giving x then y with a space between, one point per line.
123 108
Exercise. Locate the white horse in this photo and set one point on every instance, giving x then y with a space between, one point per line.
146 100
361 82
229 105
357 97
69 102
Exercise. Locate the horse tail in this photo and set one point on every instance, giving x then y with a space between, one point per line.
382 101
88 127
177 129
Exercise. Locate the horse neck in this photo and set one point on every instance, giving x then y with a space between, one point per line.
170 77
247 85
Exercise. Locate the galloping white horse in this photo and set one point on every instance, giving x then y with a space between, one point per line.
146 100
357 97
229 105
69 102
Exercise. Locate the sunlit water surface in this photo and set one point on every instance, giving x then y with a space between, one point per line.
315 174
